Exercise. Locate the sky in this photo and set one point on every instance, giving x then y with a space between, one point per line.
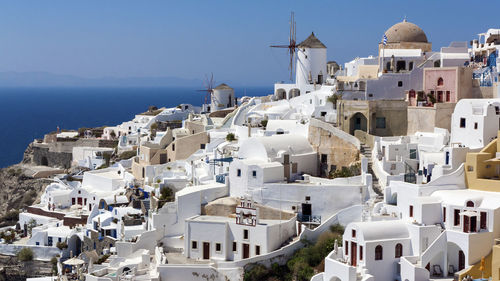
231 39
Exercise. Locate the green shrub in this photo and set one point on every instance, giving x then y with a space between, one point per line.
127 154
53 261
62 245
26 254
102 259
230 137
263 123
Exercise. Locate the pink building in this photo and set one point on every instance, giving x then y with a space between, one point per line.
446 85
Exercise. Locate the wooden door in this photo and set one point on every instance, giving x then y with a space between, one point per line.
206 250
461 260
246 251
473 224
80 201
354 248
466 224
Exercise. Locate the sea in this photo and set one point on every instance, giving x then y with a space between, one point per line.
29 113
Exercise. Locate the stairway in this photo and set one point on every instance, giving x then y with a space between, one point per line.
367 152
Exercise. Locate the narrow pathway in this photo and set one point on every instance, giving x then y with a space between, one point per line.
367 152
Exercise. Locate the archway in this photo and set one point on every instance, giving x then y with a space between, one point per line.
280 94
293 93
44 161
75 245
456 257
357 122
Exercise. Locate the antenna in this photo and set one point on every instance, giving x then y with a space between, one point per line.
292 43
209 88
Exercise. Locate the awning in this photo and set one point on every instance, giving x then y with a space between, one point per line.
469 214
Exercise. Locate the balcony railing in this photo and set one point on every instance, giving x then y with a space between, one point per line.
309 218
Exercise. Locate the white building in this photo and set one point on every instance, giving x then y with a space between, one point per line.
475 122
226 238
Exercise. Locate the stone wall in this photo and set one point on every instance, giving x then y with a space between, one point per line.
60 153
104 243
425 119
42 156
339 151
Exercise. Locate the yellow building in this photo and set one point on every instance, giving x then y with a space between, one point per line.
482 169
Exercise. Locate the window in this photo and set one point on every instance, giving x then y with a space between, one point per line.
462 122
323 113
346 246
370 95
399 250
235 246
400 83
378 253
218 247
257 250
444 214
79 192
448 96
308 198
497 110
202 146
410 66
245 233
353 233
470 168
238 173
413 154
411 211
360 253
470 204
173 147
483 223
194 245
440 82
456 217
49 241
393 167
380 122
475 125
254 173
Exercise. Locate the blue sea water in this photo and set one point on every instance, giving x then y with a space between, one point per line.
29 113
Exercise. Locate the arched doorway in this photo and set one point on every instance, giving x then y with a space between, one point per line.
293 93
280 94
357 122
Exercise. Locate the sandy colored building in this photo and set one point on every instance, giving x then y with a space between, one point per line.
482 169
376 117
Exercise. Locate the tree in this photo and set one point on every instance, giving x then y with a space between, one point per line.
333 99
26 254
31 225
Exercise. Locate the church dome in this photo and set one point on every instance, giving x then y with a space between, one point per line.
405 32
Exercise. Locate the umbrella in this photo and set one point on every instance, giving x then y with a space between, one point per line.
74 261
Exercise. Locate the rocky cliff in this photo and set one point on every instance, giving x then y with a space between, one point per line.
18 189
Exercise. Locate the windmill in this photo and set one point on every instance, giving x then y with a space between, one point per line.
209 87
292 44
